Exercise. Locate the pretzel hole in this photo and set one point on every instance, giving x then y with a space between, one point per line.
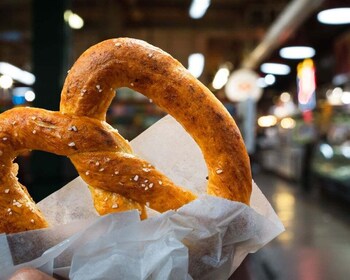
131 112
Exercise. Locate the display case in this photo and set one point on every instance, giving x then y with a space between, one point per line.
331 161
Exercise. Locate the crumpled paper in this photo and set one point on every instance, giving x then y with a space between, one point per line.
205 239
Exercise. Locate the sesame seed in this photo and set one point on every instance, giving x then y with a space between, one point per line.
9 210
143 185
116 172
87 173
115 205
147 204
160 182
146 181
14 122
7 190
10 213
150 101
83 91
108 159
219 171
97 163
34 131
146 188
132 84
32 221
71 144
118 44
136 177
4 138
33 118
150 185
101 169
106 198
146 169
150 54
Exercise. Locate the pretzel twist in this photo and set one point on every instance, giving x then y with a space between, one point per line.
101 156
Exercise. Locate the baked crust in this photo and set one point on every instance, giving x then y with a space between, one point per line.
102 157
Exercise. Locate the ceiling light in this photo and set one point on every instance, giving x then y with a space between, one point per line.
29 95
275 68
297 52
334 16
270 79
221 78
5 81
16 73
198 8
74 20
196 64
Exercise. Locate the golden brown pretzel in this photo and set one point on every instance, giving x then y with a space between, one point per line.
102 157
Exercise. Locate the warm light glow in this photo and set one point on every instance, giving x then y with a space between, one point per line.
74 20
285 97
334 16
267 121
334 97
198 8
5 82
196 64
221 78
16 73
287 123
297 52
275 68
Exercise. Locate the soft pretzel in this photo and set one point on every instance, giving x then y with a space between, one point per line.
101 156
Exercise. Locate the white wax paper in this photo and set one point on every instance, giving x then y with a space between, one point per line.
205 239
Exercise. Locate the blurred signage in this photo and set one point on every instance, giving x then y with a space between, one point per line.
306 82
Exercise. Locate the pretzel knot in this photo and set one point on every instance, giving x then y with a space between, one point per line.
118 179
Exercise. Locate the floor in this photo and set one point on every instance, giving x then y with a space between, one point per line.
316 243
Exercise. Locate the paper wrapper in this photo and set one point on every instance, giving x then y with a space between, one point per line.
205 239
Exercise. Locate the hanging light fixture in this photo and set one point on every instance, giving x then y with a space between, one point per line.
334 16
297 52
275 68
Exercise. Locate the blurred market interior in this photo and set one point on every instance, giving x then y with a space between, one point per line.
292 105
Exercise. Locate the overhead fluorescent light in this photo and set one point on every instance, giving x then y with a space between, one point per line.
17 74
196 64
334 16
275 68
221 77
297 52
198 8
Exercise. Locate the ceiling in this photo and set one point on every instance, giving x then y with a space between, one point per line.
229 32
